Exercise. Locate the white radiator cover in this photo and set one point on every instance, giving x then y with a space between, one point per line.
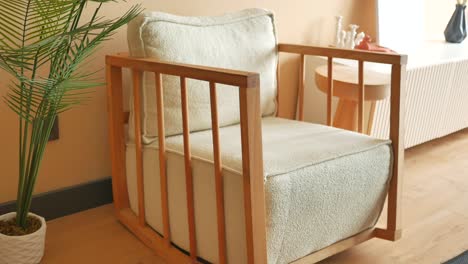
436 103
436 93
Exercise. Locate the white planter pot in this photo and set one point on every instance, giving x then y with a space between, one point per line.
27 249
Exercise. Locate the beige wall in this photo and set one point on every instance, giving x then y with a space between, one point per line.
437 14
82 155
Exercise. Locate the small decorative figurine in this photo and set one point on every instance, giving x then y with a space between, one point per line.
367 45
341 43
339 27
347 39
353 40
359 38
352 36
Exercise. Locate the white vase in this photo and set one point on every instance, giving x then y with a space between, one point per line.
27 249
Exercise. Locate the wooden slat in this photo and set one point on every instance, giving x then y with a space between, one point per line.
188 170
218 75
330 92
278 98
361 97
116 136
218 175
378 57
137 77
162 158
397 130
252 172
300 91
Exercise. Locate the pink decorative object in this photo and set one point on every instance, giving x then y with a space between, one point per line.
367 45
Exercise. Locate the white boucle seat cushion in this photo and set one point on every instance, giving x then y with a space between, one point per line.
322 185
244 40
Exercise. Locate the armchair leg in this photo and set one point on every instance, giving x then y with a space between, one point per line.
397 112
391 235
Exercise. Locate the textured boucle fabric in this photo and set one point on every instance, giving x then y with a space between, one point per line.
287 145
322 185
243 40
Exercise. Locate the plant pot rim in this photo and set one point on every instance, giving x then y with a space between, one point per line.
35 233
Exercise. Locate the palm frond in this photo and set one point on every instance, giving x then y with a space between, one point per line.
48 36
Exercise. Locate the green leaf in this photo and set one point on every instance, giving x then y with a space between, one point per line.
51 37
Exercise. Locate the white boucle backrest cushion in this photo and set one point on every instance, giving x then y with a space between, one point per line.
244 40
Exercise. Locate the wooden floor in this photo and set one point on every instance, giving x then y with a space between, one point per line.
435 219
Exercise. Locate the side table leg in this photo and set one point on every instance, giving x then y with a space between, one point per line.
346 115
370 120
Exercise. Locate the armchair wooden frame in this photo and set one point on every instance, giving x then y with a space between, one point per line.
252 159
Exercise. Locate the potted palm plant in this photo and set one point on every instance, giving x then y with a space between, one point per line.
43 44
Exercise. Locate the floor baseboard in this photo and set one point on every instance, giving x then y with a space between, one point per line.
66 201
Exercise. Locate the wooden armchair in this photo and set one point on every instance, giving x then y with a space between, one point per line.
161 236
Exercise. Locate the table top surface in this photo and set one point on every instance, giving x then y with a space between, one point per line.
345 83
348 74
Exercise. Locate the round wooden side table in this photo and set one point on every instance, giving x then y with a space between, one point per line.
345 87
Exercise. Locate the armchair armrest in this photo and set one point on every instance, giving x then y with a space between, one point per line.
397 113
251 141
204 73
378 57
